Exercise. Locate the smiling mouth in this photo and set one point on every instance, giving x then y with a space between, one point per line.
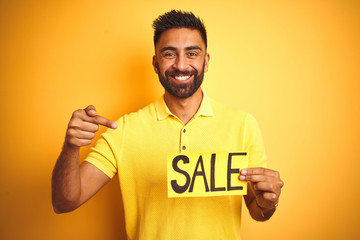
181 77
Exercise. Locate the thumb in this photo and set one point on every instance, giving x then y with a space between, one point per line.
90 111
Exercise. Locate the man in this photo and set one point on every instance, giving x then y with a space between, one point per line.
184 120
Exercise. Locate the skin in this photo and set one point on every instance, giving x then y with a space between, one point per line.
264 188
181 49
73 185
172 53
178 49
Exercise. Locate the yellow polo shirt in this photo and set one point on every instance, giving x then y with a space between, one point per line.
137 152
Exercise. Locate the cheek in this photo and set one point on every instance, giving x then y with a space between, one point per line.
164 66
199 67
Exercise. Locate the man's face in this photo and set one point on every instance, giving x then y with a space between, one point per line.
180 61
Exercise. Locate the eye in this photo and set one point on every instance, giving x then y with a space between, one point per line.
192 54
169 54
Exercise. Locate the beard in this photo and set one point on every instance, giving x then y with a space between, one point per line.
183 90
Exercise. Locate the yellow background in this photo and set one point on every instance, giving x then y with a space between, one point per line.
293 64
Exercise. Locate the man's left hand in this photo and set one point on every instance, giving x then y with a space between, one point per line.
266 184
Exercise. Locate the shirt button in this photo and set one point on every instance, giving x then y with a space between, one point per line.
184 130
183 147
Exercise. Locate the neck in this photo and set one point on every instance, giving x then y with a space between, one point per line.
184 108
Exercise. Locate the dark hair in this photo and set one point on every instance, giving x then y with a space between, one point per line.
178 19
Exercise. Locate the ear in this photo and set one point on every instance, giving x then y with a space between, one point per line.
207 59
154 62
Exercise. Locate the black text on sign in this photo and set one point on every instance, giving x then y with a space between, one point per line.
206 174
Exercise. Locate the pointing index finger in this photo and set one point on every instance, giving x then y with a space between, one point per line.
97 119
105 122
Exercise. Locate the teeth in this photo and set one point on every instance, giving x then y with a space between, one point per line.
182 78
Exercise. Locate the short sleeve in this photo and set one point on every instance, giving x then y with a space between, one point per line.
254 144
105 153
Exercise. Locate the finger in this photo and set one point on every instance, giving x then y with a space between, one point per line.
90 111
81 114
267 200
79 142
97 119
256 178
265 187
105 122
83 125
77 133
253 189
260 171
272 197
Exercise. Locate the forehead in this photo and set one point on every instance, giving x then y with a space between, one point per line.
180 38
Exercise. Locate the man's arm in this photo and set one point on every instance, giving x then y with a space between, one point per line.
73 185
264 188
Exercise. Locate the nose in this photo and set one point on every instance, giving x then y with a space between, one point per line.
181 63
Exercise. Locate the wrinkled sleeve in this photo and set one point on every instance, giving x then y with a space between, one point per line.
254 144
106 152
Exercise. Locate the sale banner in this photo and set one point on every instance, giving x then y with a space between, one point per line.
206 174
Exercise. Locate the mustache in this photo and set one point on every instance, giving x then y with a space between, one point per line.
177 72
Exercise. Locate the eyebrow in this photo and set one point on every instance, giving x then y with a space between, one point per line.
187 48
193 48
168 48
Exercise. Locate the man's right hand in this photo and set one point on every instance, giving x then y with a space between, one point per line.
83 125
73 185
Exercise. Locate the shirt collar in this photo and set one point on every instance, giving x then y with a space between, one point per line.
205 109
